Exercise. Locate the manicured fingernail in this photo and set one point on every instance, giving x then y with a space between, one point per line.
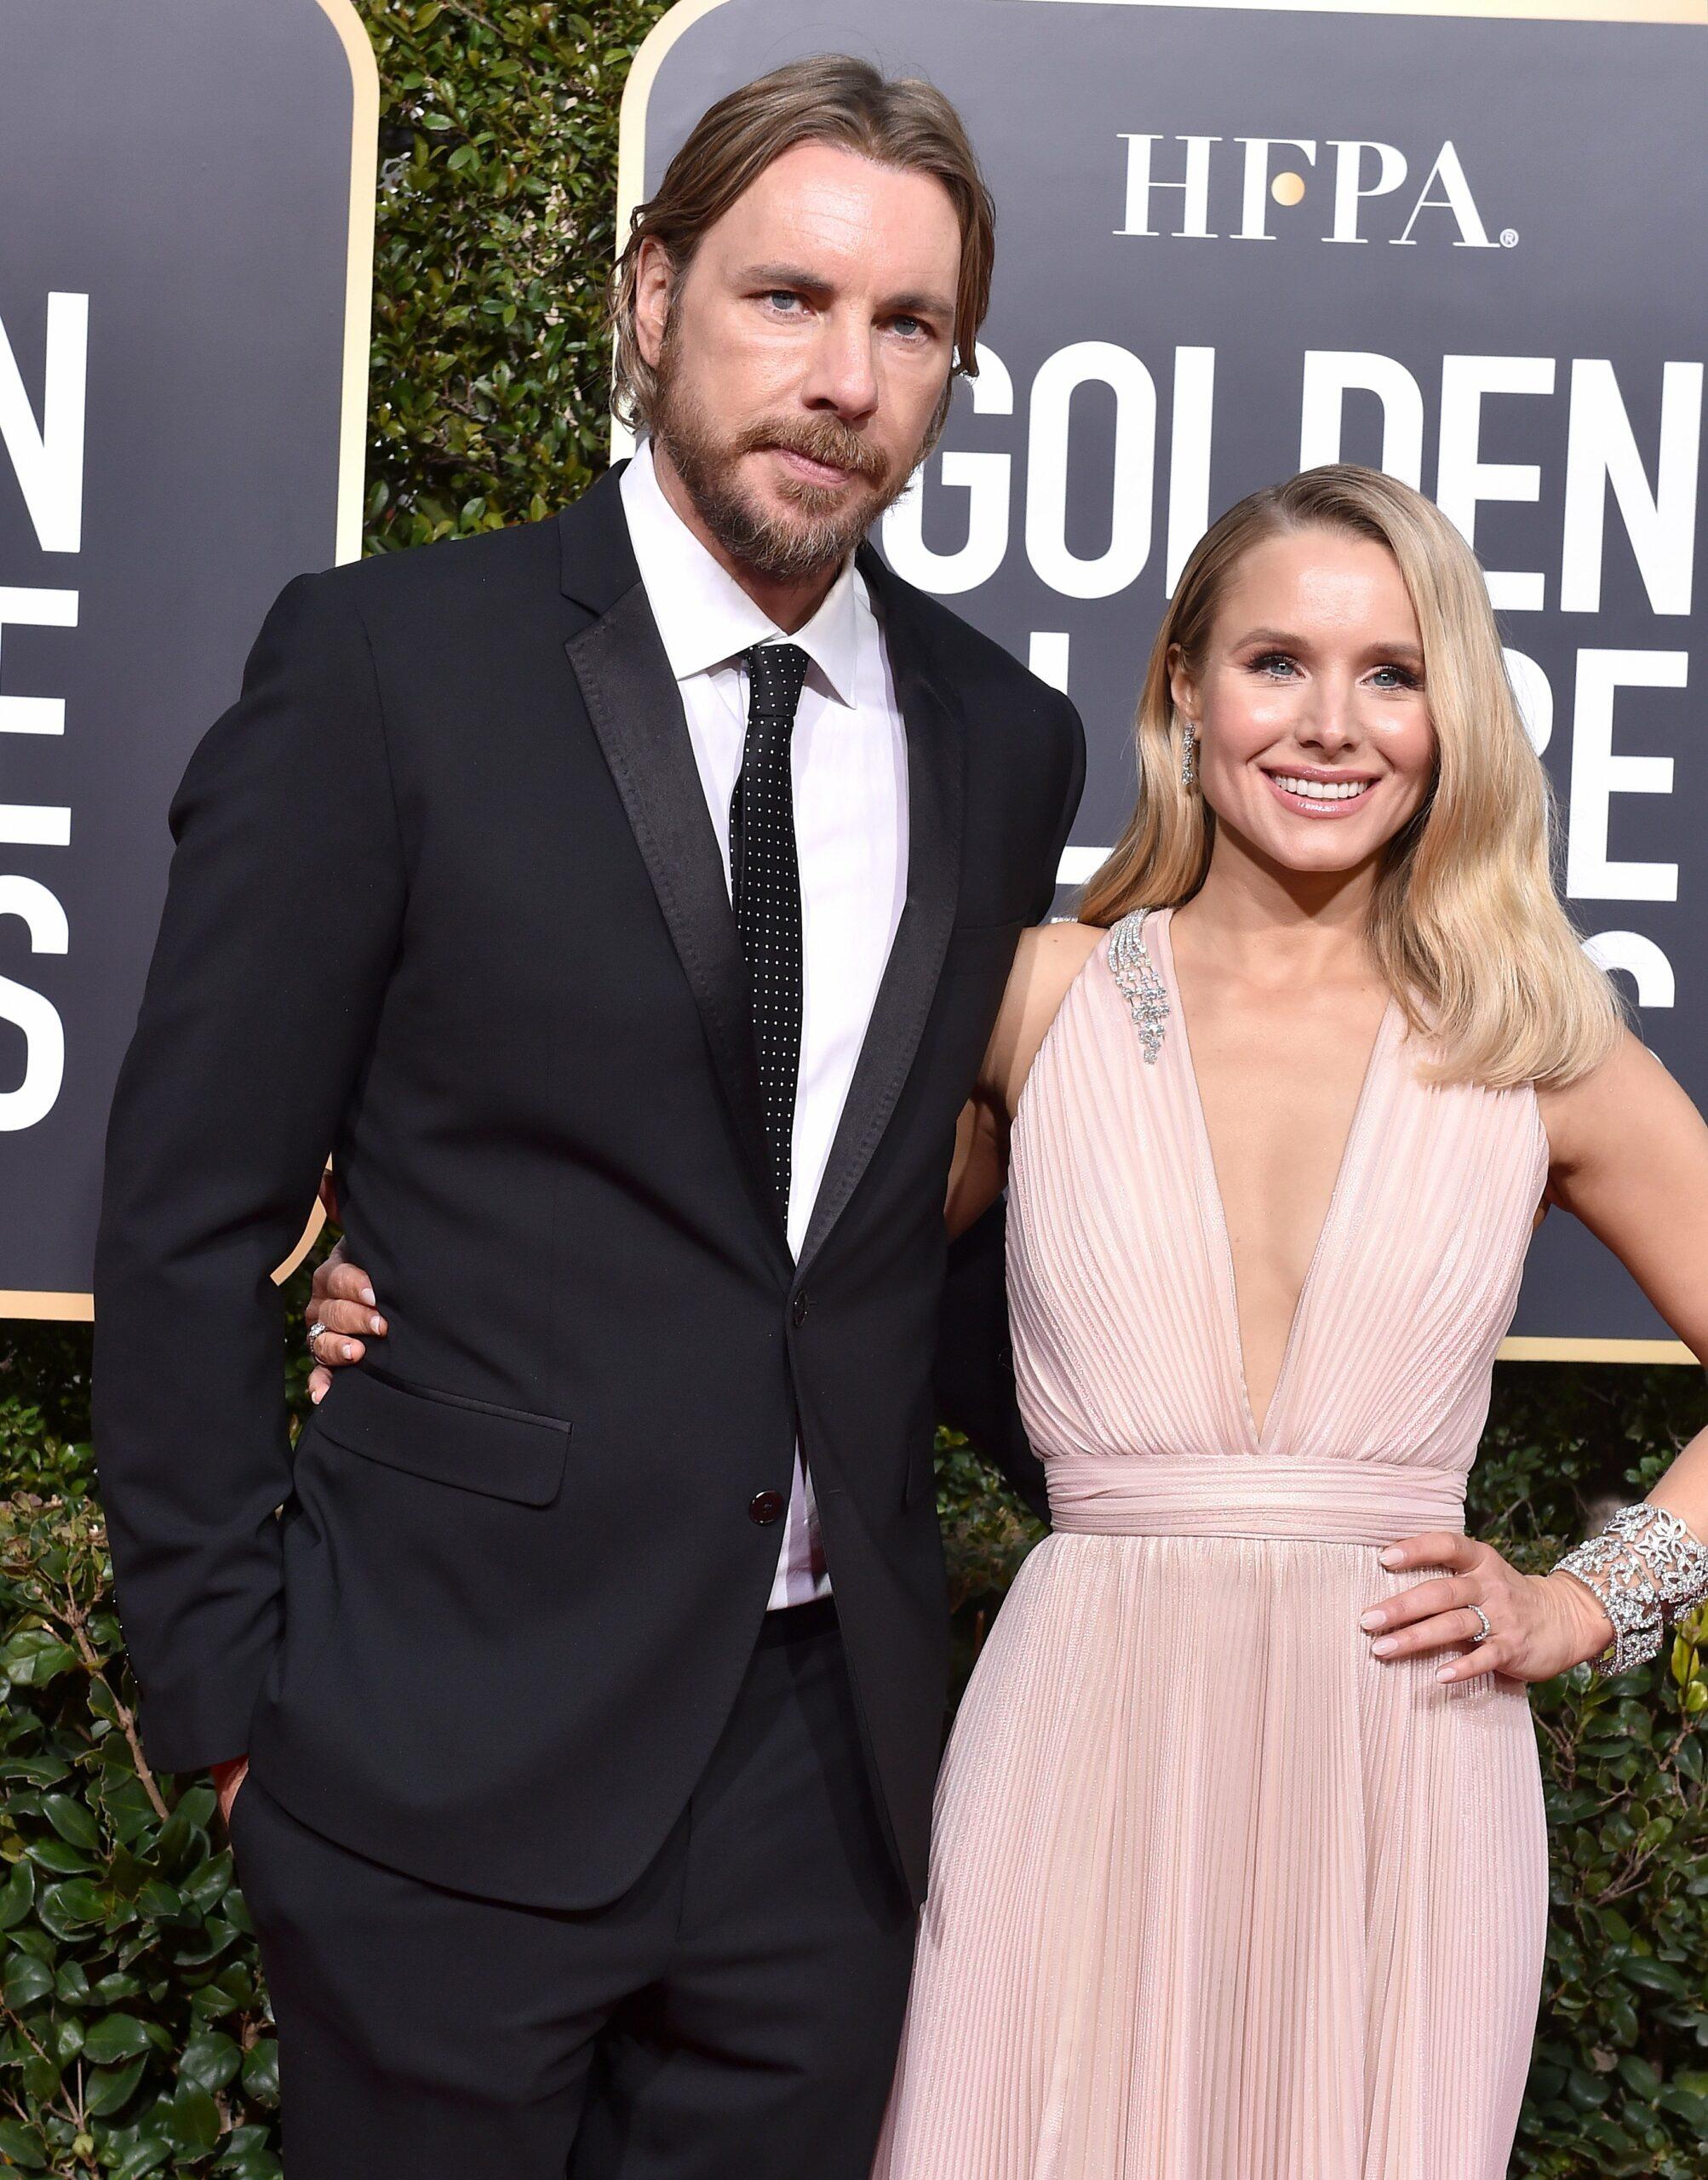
316 1397
1373 1620
1386 1647
1447 1672
376 1325
1392 1556
368 1295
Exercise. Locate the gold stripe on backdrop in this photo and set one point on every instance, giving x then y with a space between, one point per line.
358 308
42 1304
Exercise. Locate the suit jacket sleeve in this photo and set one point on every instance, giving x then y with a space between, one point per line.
282 918
974 1375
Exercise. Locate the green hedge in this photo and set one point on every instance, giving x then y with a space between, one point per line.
134 2031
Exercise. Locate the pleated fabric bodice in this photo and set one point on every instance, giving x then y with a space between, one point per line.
1126 1330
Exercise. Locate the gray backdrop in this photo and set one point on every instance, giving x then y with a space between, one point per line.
179 176
1526 344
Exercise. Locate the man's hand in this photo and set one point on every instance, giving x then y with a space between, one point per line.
227 1778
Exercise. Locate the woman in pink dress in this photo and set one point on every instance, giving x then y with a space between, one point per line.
1239 1870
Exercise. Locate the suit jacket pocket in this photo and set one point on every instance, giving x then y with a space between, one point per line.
503 1452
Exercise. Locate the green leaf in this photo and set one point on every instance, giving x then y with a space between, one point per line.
140 2150
1640 2077
73 1820
115 2036
1655 1976
210 2060
194 2121
65 1907
28 1982
22 2146
17 1894
261 2071
110 2088
57 1855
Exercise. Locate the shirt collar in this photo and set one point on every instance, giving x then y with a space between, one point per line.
705 618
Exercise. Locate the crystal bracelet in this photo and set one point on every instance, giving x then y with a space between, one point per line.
1645 1568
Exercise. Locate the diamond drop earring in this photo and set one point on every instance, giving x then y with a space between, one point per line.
1189 758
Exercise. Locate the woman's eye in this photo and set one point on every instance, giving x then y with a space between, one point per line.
1396 677
1276 663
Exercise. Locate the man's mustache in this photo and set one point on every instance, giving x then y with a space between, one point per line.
820 438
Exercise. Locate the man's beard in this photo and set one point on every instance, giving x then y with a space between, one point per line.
824 524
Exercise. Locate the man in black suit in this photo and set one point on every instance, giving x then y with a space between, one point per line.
625 901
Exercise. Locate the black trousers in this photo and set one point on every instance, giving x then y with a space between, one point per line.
734 2017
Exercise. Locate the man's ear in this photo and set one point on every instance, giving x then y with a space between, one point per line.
655 278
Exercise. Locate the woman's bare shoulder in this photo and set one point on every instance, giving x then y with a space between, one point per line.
1047 961
1630 1095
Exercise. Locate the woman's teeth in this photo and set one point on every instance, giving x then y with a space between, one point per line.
1321 790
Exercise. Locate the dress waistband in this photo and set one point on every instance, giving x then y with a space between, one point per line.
1250 1495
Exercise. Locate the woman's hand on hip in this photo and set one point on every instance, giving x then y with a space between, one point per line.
341 1301
1538 1625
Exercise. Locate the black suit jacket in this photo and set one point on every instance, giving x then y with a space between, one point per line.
446 901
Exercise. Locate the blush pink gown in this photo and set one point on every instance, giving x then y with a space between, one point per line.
1216 1895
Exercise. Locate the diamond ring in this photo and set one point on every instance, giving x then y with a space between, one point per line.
1485 1631
314 1333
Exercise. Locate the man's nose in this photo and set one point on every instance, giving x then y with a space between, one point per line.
842 376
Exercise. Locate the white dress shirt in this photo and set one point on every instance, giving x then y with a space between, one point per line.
850 762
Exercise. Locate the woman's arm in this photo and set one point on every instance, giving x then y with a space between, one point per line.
1628 1155
1046 963
1629 1158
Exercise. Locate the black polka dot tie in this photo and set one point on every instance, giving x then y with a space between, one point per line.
766 878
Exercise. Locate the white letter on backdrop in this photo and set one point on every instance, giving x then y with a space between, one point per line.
984 478
1463 479
44 1034
1601 449
1091 363
1330 374
1597 775
48 459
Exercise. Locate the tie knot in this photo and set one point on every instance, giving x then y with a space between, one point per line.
776 674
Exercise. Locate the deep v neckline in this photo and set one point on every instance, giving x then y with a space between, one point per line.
1210 1193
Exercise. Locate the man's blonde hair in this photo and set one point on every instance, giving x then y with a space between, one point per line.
831 99
1466 924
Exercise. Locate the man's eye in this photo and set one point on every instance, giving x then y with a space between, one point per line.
781 298
911 327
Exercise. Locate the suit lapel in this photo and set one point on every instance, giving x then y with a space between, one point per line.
937 756
636 709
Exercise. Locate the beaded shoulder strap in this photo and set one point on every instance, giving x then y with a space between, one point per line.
1136 978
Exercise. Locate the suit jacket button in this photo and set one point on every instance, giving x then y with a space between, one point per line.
798 1308
766 1507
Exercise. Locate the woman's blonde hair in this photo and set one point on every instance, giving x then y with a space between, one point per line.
1465 923
832 98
